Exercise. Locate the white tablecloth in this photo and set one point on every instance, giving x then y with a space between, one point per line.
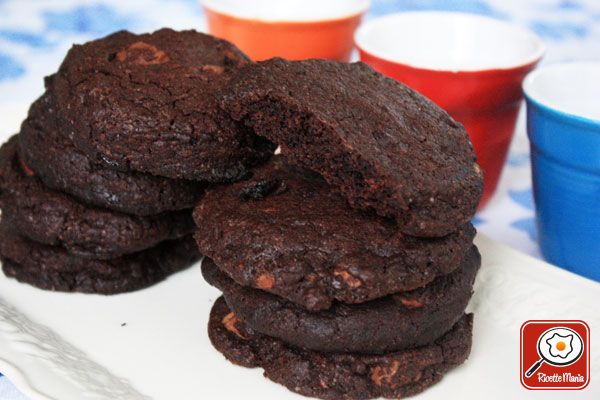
35 35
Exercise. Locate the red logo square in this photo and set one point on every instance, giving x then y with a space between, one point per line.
555 355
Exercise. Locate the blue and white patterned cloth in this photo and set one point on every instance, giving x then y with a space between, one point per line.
35 35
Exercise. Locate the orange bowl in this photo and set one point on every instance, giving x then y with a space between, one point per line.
292 29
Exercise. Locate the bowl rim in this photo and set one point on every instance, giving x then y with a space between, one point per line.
531 96
532 58
362 6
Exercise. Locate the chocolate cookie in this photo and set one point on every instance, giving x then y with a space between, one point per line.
52 268
395 322
54 218
51 154
289 233
338 376
382 144
146 103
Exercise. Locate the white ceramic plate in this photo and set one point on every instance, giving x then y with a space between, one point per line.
153 343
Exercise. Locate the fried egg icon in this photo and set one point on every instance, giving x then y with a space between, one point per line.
560 346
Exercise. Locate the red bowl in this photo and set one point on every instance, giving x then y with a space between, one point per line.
472 66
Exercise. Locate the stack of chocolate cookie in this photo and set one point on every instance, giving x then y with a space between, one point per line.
346 263
97 189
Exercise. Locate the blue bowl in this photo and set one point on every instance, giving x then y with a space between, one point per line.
563 124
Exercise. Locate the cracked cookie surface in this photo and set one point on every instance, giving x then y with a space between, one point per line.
146 103
52 268
382 144
286 231
338 376
58 219
61 166
395 322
